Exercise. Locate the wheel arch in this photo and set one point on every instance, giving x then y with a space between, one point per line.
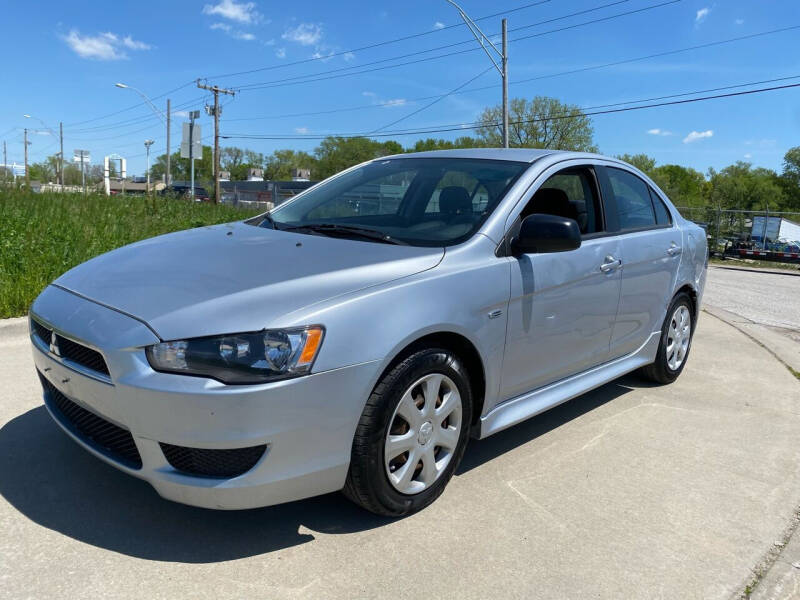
689 290
462 347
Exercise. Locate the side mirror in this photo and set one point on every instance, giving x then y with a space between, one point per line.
541 233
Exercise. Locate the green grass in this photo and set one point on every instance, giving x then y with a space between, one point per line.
43 235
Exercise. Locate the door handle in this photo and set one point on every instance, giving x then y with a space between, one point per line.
610 264
674 249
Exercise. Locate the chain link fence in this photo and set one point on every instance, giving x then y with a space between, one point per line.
750 234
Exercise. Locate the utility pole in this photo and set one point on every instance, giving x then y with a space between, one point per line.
192 116
168 122
505 83
147 144
216 110
27 177
488 45
61 154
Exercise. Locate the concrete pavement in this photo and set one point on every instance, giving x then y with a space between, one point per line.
631 491
764 304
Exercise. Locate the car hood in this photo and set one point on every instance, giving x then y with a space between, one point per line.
236 277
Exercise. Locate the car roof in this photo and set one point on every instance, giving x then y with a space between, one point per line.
512 154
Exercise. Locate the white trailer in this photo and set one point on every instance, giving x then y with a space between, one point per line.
775 229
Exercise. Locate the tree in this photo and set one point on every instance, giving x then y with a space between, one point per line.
741 187
539 123
790 178
683 185
335 154
280 164
181 170
434 144
644 163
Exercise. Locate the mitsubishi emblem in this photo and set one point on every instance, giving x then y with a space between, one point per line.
54 344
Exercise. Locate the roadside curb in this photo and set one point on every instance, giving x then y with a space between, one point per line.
786 350
13 327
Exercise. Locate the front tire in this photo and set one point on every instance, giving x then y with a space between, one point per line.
412 434
675 342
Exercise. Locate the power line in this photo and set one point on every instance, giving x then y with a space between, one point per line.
384 43
138 104
438 99
475 125
340 72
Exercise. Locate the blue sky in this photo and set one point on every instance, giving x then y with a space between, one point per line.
62 60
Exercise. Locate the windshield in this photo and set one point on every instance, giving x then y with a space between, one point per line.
417 201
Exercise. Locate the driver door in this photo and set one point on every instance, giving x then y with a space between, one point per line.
563 305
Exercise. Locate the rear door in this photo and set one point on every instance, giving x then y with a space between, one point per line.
651 249
563 305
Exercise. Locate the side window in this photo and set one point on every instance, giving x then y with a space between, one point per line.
634 206
662 214
571 193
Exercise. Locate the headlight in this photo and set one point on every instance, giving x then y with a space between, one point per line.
241 357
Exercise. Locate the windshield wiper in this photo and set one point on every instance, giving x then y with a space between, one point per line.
333 229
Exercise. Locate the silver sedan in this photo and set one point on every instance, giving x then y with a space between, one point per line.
355 337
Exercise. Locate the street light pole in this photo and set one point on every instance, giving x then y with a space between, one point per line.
26 142
165 118
147 144
502 55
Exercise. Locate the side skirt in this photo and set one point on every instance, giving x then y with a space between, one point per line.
523 407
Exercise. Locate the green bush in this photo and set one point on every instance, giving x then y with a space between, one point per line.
43 235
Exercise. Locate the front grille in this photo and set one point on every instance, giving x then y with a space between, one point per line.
70 350
40 331
213 463
113 441
80 354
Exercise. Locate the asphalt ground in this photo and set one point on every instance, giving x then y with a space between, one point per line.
632 490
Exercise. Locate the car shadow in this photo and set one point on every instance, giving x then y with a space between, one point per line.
481 451
55 483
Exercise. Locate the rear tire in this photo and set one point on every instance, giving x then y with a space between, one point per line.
412 434
675 343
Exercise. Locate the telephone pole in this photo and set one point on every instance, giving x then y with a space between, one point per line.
168 122
26 142
61 155
502 68
215 111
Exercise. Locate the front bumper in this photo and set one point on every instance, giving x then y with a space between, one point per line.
307 423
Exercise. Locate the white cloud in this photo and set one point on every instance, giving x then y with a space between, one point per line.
132 44
701 15
697 135
386 103
305 34
658 131
269 42
748 155
739 21
348 56
438 25
243 35
241 12
394 102
369 94
236 34
323 57
280 52
301 130
221 26
103 46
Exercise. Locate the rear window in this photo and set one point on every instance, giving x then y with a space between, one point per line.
662 213
634 205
